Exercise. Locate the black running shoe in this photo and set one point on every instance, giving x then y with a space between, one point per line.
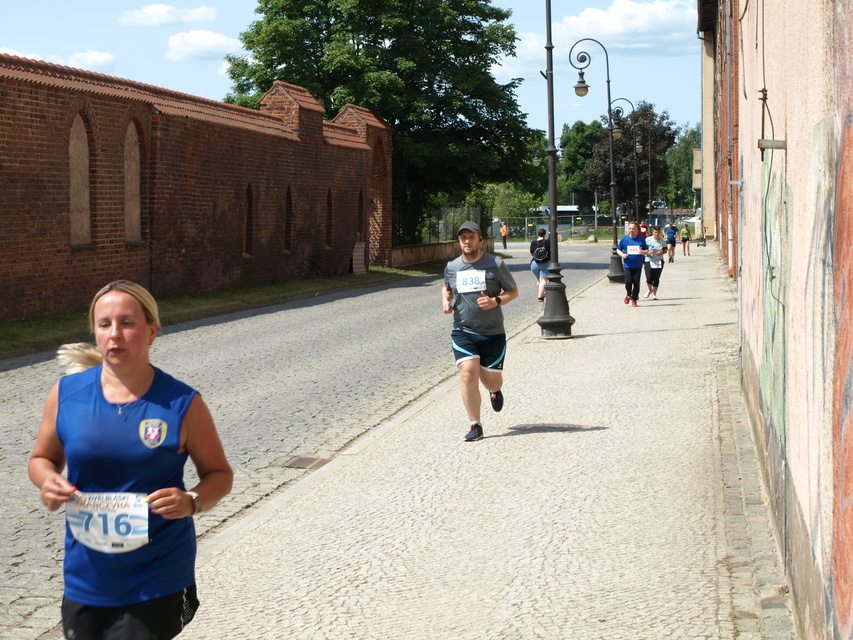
497 400
476 433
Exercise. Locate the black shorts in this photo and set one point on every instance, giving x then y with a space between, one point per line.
672 242
491 350
158 619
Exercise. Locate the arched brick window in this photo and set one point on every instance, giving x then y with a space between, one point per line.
329 218
249 224
80 160
289 220
132 192
360 216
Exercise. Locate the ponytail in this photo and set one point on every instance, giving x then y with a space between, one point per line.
78 357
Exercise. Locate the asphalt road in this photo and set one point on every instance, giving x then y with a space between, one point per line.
302 379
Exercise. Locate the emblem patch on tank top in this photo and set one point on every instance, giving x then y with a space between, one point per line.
152 432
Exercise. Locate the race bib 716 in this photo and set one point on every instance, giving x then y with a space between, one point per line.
109 522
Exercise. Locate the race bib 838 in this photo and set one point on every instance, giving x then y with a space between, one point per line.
471 281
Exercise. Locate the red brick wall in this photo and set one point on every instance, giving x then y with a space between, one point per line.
726 140
40 272
194 181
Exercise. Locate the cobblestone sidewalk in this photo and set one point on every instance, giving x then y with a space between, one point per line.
617 496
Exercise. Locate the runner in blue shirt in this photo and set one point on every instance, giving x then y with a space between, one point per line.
671 232
632 249
124 431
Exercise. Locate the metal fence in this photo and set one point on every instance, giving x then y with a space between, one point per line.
442 223
568 226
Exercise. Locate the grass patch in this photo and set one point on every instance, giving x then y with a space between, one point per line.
43 331
46 332
602 233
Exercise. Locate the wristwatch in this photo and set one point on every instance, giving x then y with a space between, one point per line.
498 299
196 501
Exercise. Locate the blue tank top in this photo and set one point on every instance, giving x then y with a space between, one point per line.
135 451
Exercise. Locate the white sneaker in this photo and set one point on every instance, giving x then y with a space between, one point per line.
648 293
654 297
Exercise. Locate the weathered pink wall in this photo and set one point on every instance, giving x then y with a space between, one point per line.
793 209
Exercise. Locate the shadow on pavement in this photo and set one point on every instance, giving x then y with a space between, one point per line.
543 427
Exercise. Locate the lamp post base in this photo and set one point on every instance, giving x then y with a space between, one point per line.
617 272
556 323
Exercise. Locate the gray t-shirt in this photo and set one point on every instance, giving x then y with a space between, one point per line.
467 315
654 247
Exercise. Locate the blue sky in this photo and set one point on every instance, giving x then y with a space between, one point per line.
652 45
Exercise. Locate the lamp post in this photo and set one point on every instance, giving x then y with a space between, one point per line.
555 321
580 62
634 144
638 146
537 160
617 112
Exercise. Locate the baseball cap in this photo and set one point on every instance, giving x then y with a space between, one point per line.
469 226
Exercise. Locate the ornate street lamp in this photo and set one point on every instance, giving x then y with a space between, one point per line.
555 321
537 160
635 134
580 62
617 112
638 146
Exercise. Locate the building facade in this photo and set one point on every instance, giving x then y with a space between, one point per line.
778 138
103 178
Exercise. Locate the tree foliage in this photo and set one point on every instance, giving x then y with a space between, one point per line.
506 201
578 144
532 172
424 66
656 132
679 159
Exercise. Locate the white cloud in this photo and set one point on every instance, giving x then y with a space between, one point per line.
200 45
223 69
91 60
657 27
633 27
153 15
20 54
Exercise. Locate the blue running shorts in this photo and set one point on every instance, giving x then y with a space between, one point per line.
491 350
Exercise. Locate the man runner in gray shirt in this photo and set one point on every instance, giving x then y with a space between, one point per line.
476 284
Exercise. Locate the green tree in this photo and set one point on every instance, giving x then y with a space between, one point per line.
506 202
532 173
425 67
647 127
578 143
679 159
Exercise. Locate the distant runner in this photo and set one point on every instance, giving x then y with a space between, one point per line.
671 232
685 240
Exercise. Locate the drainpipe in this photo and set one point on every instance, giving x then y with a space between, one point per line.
729 99
731 231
